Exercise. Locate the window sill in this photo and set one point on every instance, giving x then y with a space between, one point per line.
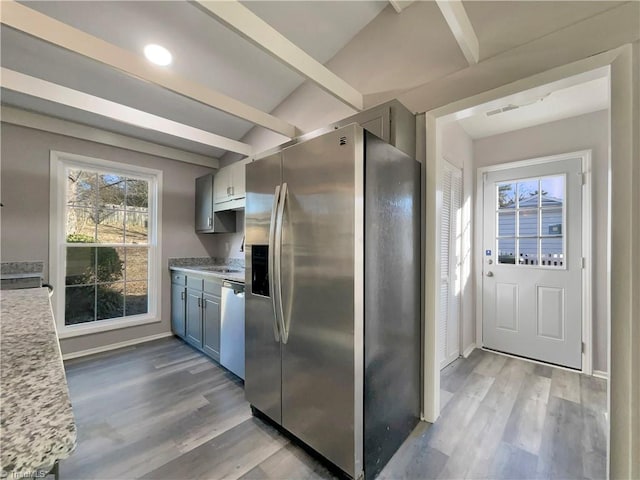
69 331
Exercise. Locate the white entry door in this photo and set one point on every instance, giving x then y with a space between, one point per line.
450 249
532 262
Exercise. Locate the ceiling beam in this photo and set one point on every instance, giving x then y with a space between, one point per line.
35 87
46 123
460 25
27 20
243 21
400 5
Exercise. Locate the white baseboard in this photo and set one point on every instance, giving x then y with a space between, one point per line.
468 350
601 374
114 346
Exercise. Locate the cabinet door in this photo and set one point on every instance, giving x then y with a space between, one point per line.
204 202
194 317
238 179
211 315
178 294
221 185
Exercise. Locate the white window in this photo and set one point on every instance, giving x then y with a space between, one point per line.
530 219
104 249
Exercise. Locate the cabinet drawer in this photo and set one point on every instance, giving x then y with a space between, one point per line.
194 282
213 287
178 278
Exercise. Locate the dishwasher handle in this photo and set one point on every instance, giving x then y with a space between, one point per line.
237 287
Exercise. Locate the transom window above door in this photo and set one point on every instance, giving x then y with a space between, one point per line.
530 222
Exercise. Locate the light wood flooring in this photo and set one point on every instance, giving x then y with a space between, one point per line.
161 410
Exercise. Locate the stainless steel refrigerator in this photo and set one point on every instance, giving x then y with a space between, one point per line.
333 295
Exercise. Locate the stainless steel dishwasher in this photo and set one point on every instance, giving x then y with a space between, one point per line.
232 327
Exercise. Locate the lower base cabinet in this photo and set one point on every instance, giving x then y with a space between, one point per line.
195 312
211 324
194 318
178 302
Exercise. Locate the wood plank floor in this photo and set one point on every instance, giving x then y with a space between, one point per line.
164 411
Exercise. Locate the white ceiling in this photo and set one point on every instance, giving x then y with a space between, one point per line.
568 102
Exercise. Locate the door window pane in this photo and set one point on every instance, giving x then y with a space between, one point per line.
507 250
552 221
507 224
552 191
552 252
528 193
528 251
528 223
506 195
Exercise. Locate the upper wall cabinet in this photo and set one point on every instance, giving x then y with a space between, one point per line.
229 187
391 121
208 219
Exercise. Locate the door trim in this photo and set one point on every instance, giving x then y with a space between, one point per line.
587 187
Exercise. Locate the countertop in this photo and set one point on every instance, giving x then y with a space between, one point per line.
207 270
38 427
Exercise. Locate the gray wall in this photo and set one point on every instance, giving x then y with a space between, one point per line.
24 231
227 245
590 131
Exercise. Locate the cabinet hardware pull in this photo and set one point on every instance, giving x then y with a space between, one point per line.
182 295
199 304
210 221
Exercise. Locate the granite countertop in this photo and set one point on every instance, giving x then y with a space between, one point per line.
38 427
208 266
206 270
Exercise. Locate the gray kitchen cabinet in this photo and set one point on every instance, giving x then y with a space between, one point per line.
178 306
211 325
195 311
194 317
391 121
207 220
229 186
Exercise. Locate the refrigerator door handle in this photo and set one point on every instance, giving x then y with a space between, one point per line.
278 262
271 260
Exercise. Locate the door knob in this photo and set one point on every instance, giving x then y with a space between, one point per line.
489 274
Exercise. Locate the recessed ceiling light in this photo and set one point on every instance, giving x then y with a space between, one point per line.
158 55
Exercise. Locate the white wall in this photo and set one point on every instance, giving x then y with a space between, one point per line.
24 232
590 131
456 147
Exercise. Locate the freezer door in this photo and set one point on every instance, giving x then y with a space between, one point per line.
322 295
262 346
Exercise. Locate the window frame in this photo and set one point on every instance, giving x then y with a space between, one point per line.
59 162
